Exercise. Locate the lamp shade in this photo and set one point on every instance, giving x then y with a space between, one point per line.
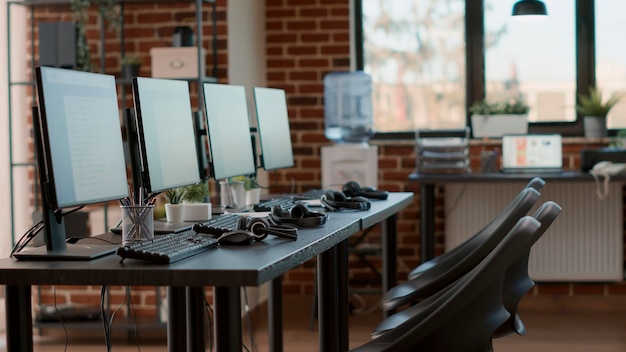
529 7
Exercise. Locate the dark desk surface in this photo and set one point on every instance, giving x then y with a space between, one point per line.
565 176
223 266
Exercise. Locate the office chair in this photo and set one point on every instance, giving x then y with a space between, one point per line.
464 316
515 284
465 247
437 274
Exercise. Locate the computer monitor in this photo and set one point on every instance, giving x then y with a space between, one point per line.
273 128
80 154
165 134
229 130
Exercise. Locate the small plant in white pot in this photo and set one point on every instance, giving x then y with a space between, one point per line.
196 202
253 191
174 207
495 119
594 110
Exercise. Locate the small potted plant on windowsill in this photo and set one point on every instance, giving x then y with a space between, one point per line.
495 119
173 207
131 64
594 110
196 202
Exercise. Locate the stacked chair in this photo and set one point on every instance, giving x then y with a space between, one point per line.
464 298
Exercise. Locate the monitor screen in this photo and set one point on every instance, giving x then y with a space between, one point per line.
166 135
80 155
229 130
80 120
274 133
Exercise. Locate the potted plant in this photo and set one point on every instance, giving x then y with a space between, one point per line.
253 190
196 202
495 119
173 207
130 66
594 110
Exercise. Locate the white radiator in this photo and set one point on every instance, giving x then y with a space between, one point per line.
584 244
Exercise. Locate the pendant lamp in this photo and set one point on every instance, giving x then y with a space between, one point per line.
529 7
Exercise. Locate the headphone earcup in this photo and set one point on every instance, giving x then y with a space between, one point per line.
339 196
363 203
299 211
257 226
352 189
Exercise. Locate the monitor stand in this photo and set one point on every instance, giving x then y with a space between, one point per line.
74 252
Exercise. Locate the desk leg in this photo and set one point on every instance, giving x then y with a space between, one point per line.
327 299
176 319
196 340
275 305
427 222
227 322
390 261
343 292
19 321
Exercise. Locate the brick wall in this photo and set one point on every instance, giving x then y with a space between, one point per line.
305 40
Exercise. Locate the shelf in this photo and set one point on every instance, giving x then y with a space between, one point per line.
194 79
67 2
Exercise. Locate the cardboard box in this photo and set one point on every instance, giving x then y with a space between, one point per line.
176 62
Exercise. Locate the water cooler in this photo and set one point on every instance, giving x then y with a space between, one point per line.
348 118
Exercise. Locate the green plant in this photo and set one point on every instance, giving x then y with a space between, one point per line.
592 104
484 107
196 193
175 195
250 183
131 60
80 12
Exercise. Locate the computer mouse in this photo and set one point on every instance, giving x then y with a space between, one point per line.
239 237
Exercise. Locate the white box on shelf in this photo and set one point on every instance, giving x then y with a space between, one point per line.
176 62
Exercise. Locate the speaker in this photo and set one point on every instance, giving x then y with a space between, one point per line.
298 215
353 189
335 200
57 44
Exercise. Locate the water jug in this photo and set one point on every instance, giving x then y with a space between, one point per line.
348 107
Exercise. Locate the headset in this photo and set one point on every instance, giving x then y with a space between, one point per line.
298 215
353 189
335 200
251 229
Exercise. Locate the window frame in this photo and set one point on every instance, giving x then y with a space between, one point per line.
475 63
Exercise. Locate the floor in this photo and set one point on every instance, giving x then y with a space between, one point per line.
569 328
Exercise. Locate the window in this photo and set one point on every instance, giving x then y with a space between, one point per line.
532 61
415 52
431 59
611 56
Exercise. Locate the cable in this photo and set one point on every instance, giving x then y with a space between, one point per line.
132 310
27 237
249 320
56 309
209 312
105 321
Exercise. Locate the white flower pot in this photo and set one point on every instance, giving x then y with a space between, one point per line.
196 211
496 126
253 196
594 126
174 212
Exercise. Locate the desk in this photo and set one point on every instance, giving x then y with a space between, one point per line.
226 268
427 195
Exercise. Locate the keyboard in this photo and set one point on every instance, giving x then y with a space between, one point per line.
169 248
218 225
176 246
285 204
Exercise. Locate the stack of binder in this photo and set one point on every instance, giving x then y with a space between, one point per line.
442 151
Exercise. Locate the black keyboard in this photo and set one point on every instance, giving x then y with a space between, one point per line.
285 204
218 225
169 248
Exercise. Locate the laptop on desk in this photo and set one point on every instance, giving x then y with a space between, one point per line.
533 153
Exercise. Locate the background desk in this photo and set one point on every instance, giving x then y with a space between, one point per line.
427 197
226 268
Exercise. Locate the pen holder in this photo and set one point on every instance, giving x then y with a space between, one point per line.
137 223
